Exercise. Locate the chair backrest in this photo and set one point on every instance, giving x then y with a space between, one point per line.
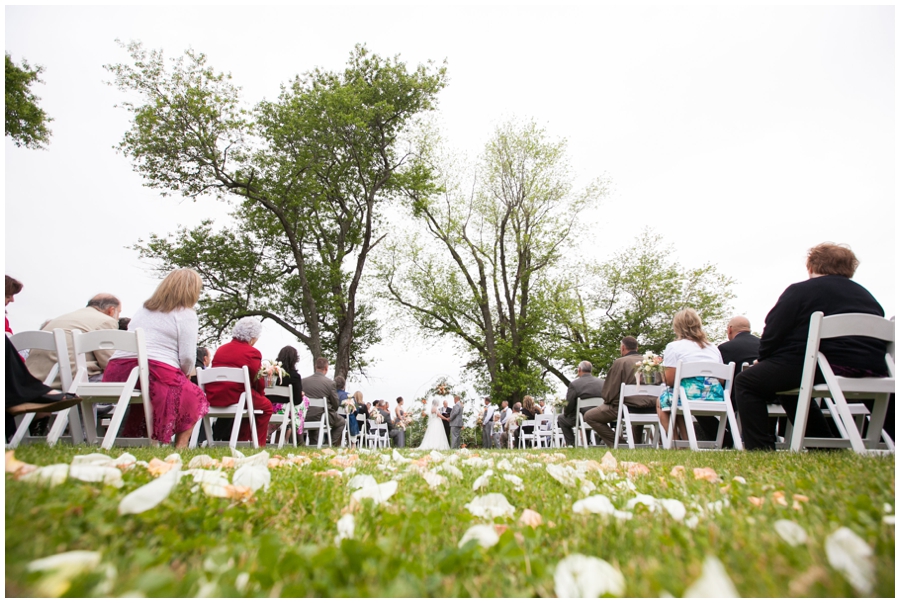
225 374
714 370
852 325
543 422
626 391
51 342
317 402
582 403
285 391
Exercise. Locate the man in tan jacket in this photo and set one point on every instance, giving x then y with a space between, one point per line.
102 312
621 371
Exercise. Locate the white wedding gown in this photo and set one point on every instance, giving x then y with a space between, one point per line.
435 437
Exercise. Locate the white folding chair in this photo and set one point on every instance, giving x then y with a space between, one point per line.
134 390
545 429
836 390
582 428
690 408
628 419
284 419
345 433
323 425
362 421
243 409
523 436
51 342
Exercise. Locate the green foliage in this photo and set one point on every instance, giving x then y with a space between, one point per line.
635 293
487 241
283 543
26 122
306 175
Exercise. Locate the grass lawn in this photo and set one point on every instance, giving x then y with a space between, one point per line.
282 542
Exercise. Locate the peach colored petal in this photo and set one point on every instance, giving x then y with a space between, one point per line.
779 499
531 518
157 467
706 473
608 462
636 468
329 473
801 498
227 462
677 471
797 506
756 501
500 528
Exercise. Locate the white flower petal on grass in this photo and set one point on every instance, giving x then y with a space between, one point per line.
96 473
579 576
97 459
201 461
345 527
739 479
71 561
675 508
51 475
643 499
434 480
207 476
564 475
519 461
399 458
852 557
608 462
791 532
515 480
587 486
713 583
888 519
252 476
531 518
437 456
483 480
125 461
240 583
485 535
446 467
477 461
361 481
149 495
504 465
174 458
379 493
692 521
600 505
260 459
490 506
888 508
237 454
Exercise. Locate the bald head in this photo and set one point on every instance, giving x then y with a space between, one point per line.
736 325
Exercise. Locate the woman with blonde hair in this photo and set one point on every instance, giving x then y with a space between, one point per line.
691 345
170 332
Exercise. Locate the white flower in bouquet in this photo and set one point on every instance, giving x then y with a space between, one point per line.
271 370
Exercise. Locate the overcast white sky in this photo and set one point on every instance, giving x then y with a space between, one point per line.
745 135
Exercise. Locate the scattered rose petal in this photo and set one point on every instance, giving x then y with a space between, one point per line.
345 527
240 583
149 495
237 454
15 466
240 493
260 459
564 475
677 471
61 569
635 468
675 508
587 486
344 461
800 586
399 458
361 481
706 473
329 473
95 458
801 498
888 508
713 583
504 465
515 480
500 528
643 499
692 521
446 467
484 535
755 500
852 557
599 504
531 518
94 473
436 456
792 533
125 461
157 467
608 462
379 493
797 506
207 476
51 475
490 506
434 480
227 462
252 476
482 480
739 479
589 577
779 499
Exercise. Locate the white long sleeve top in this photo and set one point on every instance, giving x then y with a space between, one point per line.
171 337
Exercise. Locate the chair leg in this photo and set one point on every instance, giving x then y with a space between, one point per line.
237 422
114 423
736 430
90 423
689 425
21 430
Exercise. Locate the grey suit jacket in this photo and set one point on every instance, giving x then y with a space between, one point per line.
456 415
318 385
586 386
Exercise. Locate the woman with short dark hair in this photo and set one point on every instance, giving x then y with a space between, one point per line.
783 345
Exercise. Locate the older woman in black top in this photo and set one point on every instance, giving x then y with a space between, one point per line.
783 345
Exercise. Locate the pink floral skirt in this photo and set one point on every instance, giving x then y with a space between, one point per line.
177 403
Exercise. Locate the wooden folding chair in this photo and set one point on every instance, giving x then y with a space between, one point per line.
837 390
723 409
628 419
242 409
51 342
134 390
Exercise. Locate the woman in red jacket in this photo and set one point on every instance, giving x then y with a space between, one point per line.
237 353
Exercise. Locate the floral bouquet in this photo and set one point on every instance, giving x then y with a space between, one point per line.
648 367
375 415
520 418
272 371
349 405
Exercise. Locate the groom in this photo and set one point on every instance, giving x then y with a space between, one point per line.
456 422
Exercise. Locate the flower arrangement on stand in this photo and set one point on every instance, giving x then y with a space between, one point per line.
272 371
649 369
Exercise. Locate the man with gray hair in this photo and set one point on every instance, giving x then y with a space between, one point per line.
585 385
318 385
101 312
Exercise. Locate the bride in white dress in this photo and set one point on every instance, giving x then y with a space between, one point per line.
435 437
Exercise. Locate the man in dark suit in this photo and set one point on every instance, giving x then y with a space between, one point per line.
585 385
397 435
445 412
742 345
318 385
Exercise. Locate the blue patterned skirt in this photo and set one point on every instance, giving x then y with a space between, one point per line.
697 388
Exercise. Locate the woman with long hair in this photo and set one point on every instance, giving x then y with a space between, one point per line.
288 358
691 345
170 331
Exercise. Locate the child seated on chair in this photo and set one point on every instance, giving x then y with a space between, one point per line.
692 345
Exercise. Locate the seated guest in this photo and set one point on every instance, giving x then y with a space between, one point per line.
496 430
529 409
288 358
585 385
783 346
620 373
691 345
170 332
13 287
318 385
102 312
202 362
742 345
237 353
24 393
396 434
508 437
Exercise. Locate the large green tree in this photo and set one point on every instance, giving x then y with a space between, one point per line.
476 271
26 122
306 177
637 292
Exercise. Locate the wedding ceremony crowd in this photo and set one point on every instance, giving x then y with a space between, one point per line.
774 363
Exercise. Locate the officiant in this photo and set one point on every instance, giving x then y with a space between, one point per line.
445 413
